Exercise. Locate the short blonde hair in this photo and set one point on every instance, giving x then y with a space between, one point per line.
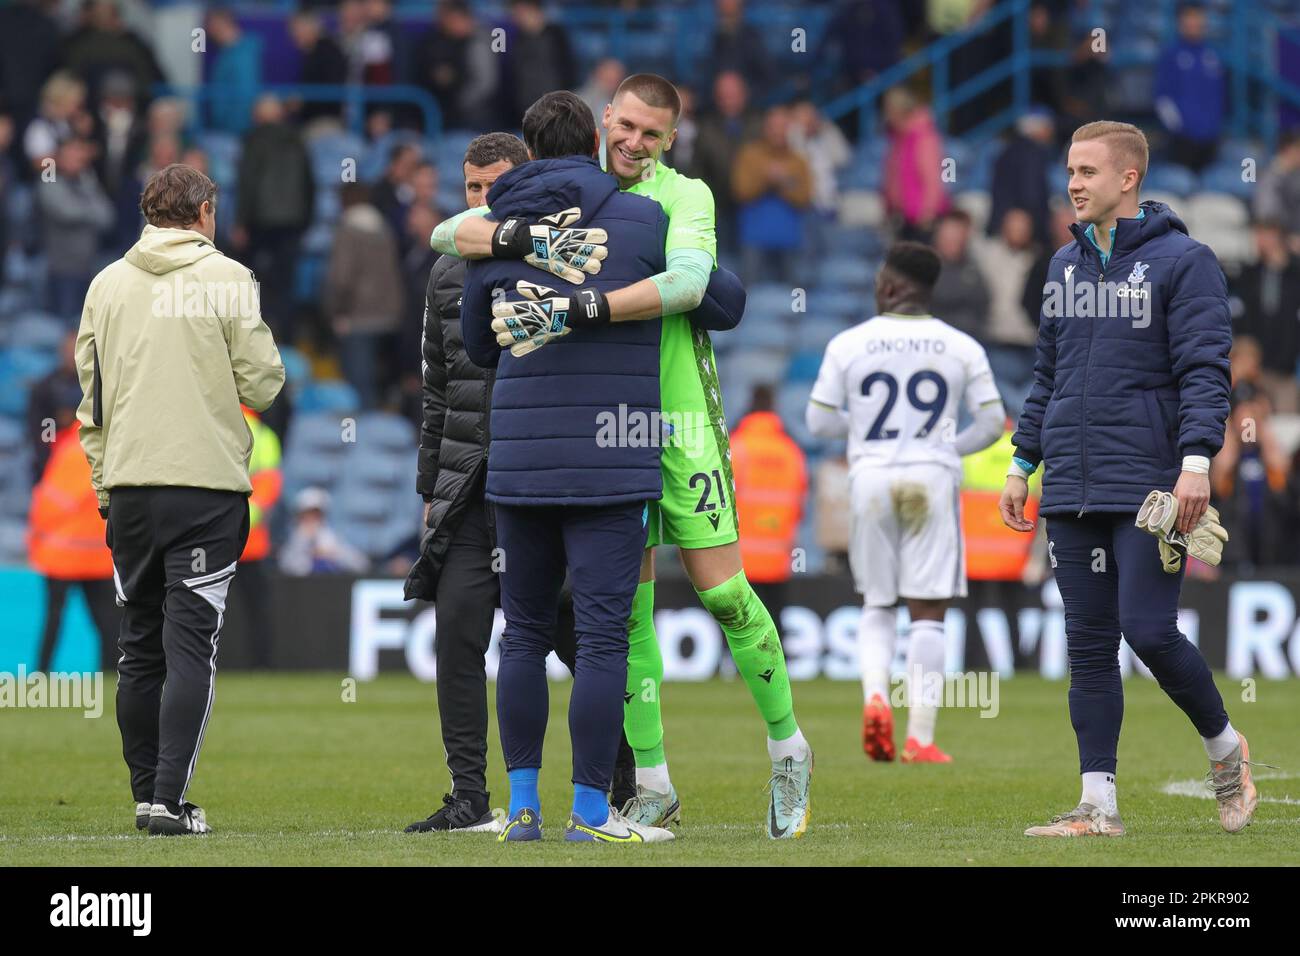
1127 143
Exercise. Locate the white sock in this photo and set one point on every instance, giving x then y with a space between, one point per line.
654 778
877 628
1099 790
925 650
1218 748
795 747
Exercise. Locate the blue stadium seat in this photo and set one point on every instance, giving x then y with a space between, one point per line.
222 150
1225 177
1170 178
374 160
297 370
329 397
37 330
329 151
845 272
804 365
382 430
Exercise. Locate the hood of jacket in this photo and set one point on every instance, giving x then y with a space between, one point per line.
544 186
163 250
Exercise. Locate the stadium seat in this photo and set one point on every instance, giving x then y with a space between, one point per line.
1221 221
385 431
329 151
804 365
36 330
843 271
372 163
1226 177
222 150
1170 178
329 397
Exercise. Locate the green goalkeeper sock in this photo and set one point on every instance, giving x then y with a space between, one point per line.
642 718
756 648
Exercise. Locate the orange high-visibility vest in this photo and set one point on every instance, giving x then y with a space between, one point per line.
993 551
771 481
65 537
266 479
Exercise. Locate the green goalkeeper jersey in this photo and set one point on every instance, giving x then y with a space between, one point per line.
688 379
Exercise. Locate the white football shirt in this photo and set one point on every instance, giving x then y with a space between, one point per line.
902 378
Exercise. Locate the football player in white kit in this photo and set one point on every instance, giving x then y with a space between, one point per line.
893 384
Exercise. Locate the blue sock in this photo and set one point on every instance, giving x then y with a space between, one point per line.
523 790
591 804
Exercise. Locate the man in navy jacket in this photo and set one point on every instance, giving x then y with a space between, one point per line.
566 496
1130 394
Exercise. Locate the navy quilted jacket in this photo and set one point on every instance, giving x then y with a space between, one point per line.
548 447
1120 397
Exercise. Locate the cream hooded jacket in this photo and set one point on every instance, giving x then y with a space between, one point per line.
171 342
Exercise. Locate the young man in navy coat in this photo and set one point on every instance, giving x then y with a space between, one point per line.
1130 395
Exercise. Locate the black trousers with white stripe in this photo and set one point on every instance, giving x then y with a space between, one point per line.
174 555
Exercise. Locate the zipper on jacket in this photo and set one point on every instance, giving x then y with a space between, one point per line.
1087 372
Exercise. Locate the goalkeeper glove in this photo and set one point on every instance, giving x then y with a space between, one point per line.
1159 514
544 315
550 245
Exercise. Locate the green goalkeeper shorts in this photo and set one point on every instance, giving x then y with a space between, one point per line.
698 505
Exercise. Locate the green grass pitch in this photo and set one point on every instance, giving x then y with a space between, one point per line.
292 774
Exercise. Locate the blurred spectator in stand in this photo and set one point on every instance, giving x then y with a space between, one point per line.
8 182
1249 479
961 296
721 131
101 44
417 259
1022 172
424 195
772 185
363 292
862 40
52 405
1049 32
62 116
66 546
454 61
76 216
236 71
1062 218
164 149
599 89
29 53
196 159
313 546
1277 197
823 146
352 24
276 200
1189 92
771 481
322 62
682 154
380 44
739 46
1010 336
252 583
1247 362
1266 307
539 57
914 196
393 194
123 141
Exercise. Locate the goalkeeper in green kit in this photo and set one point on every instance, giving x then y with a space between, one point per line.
697 510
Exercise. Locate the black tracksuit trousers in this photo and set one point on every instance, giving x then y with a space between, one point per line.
174 555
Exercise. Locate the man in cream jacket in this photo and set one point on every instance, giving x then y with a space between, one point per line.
171 342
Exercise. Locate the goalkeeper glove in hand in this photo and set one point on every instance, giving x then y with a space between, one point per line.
1159 514
528 325
552 246
544 315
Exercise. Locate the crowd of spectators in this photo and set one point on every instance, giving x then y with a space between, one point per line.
82 127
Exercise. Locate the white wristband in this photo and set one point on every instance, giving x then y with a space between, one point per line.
1196 464
1015 471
